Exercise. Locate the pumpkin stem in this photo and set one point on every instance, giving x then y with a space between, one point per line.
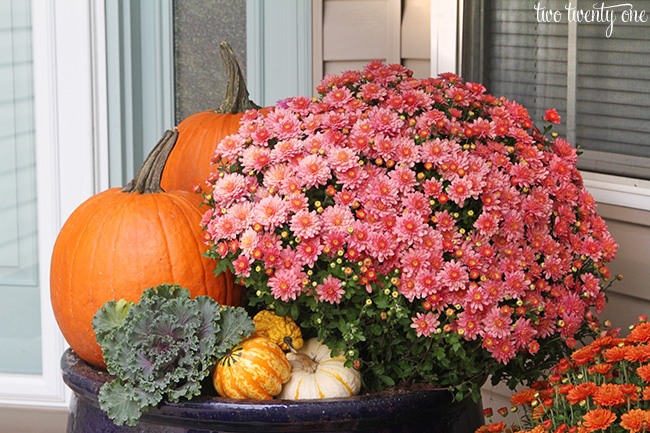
308 364
147 180
236 99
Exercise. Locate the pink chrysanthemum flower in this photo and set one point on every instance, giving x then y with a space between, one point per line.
523 333
313 170
241 212
415 100
285 284
305 224
335 120
275 176
404 178
487 224
224 227
406 152
460 190
242 266
383 147
248 241
308 251
468 324
255 158
425 324
503 349
411 261
337 218
384 120
382 188
342 158
296 202
409 226
444 221
286 150
418 203
372 91
299 104
352 178
426 282
283 123
207 217
330 290
454 275
334 241
270 212
382 246
360 237
497 324
338 97
229 189
229 148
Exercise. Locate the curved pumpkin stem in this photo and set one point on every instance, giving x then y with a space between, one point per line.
147 180
308 364
236 99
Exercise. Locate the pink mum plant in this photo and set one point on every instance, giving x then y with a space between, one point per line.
424 227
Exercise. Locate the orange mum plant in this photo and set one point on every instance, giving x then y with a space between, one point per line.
602 387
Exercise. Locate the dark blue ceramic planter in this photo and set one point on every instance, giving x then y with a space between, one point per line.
418 411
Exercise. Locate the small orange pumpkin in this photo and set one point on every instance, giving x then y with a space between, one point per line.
257 368
123 241
189 164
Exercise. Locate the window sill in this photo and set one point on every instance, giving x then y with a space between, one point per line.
617 190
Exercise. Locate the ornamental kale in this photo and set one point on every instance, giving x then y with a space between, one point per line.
162 347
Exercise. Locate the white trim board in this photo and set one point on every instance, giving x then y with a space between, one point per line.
278 50
444 36
618 191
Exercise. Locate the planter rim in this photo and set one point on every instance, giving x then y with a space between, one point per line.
208 411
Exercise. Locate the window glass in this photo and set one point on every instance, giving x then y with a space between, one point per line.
20 324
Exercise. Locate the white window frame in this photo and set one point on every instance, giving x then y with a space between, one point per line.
72 160
445 57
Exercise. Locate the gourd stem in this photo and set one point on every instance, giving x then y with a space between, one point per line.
236 99
147 180
289 342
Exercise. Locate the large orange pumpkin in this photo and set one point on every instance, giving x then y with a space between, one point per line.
189 164
123 241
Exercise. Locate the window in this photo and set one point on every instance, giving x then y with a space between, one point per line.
20 333
52 160
594 74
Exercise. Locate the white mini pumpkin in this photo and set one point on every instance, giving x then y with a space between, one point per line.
315 374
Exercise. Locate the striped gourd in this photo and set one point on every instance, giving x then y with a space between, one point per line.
255 369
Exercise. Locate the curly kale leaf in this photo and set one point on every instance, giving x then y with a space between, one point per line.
235 326
162 347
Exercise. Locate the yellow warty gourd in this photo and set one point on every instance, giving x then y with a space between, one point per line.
315 374
278 329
